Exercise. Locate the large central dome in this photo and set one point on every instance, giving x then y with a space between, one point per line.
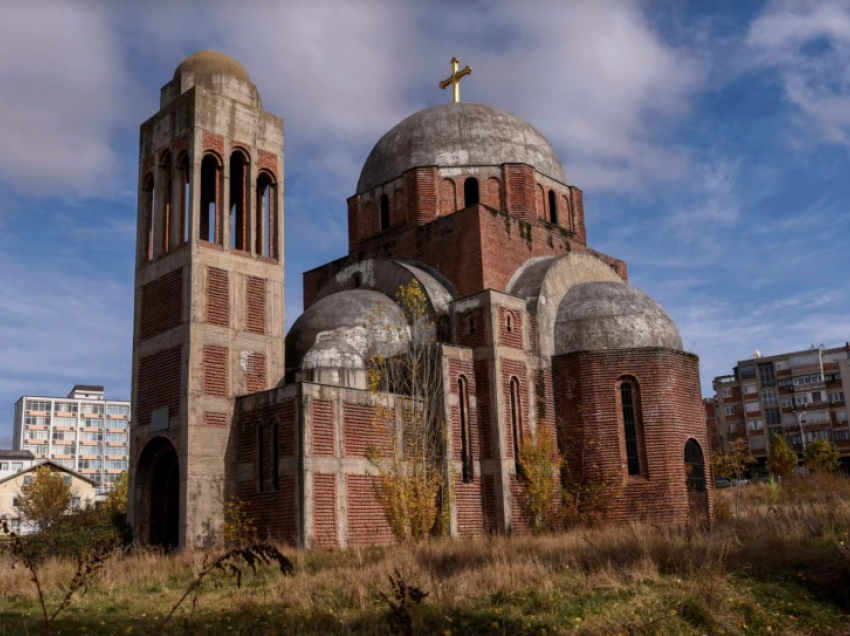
458 134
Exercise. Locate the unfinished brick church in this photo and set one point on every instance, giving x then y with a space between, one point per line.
537 329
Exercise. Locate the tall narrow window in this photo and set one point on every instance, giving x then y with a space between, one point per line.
261 460
470 191
185 198
275 456
149 211
627 397
266 240
465 438
516 422
238 201
553 207
166 169
509 323
208 227
385 212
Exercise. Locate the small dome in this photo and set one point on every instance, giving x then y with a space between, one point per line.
209 62
607 315
332 353
458 134
367 321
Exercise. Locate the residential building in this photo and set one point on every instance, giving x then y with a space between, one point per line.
83 490
14 461
800 394
83 432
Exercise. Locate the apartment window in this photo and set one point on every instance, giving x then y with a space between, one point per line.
15 502
75 502
757 444
38 420
733 427
786 404
773 416
93 409
67 479
755 425
802 399
64 450
116 464
836 397
91 436
749 389
63 435
93 422
37 449
38 405
766 375
730 410
95 464
116 424
4 465
115 437
840 436
17 466
811 436
747 371
770 397
817 396
795 439
15 524
727 393
117 409
67 407
752 407
64 420
35 434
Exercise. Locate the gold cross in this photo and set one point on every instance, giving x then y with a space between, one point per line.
455 79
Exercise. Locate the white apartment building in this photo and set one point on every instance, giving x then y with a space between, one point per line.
800 394
83 432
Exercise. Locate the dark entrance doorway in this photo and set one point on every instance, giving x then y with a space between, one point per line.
158 475
695 469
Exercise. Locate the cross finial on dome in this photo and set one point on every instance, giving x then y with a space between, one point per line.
454 79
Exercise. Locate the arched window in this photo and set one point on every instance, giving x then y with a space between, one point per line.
630 427
565 206
265 216
208 229
695 466
261 460
148 204
465 437
385 212
165 172
470 191
238 201
553 207
185 197
470 324
540 199
448 197
516 420
275 456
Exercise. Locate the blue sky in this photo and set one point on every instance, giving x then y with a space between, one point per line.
711 141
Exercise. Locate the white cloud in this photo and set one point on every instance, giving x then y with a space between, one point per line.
63 91
808 44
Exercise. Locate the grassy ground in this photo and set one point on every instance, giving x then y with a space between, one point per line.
778 568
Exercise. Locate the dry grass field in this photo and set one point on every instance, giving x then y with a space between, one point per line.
779 568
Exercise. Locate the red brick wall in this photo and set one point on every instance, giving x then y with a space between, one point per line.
519 190
267 161
470 328
215 367
255 373
324 510
159 384
470 513
367 523
360 431
274 510
482 395
218 297
448 197
511 369
670 412
216 420
521 520
514 337
323 428
212 141
255 305
488 497
162 304
492 193
458 368
421 187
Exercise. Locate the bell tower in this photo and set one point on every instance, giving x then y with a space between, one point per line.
209 285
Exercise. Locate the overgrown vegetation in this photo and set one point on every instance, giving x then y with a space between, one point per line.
781 567
405 382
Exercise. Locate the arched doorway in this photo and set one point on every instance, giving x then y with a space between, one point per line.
158 483
695 480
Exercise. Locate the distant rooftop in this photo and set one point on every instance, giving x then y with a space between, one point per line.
16 454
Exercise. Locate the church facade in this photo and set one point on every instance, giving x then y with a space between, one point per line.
536 329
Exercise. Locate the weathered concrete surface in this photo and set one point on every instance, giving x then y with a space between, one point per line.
605 315
458 134
366 320
544 283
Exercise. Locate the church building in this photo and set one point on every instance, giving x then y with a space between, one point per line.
536 329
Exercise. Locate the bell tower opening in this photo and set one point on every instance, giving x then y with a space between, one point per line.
470 192
158 480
